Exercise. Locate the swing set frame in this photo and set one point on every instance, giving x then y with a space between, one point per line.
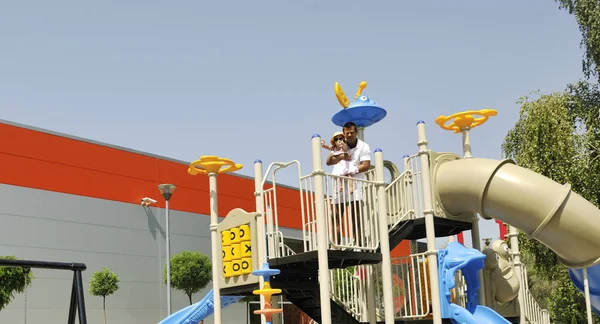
77 298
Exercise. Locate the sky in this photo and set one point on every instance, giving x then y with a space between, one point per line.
254 80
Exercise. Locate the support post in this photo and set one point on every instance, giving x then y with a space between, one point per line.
322 240
216 255
168 248
260 225
414 247
514 249
360 134
384 240
211 166
466 142
475 233
586 289
429 224
80 298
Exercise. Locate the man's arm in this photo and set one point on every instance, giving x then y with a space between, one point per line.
365 159
364 166
334 159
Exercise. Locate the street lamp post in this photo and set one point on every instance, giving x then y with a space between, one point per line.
166 190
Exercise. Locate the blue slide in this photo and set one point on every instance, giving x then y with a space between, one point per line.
593 273
457 257
200 310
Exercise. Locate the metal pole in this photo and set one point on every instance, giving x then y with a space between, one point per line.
466 140
514 249
322 240
360 134
216 255
260 224
168 239
586 289
475 233
429 224
384 240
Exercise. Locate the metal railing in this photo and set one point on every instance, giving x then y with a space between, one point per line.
534 314
275 240
412 296
348 291
350 209
399 197
416 199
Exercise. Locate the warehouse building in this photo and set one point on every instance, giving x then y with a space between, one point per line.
69 199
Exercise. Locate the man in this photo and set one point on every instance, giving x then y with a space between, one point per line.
359 153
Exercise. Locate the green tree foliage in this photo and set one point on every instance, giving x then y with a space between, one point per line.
558 136
587 13
12 280
104 283
190 272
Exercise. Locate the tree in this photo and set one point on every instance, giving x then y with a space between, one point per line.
558 136
13 280
104 283
587 13
190 272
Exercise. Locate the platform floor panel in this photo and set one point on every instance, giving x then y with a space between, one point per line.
336 259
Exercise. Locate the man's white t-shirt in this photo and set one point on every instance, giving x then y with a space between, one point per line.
361 152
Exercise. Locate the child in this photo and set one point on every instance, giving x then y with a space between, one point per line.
343 167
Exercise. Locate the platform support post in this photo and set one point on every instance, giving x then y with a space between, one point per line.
260 225
384 240
322 239
429 224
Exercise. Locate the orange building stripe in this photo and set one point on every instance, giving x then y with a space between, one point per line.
45 161
51 162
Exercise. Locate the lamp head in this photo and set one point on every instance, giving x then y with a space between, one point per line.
166 190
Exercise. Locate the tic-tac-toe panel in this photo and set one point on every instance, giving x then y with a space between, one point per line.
238 236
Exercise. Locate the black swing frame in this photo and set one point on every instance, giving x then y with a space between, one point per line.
77 298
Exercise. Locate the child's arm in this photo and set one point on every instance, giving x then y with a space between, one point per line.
325 146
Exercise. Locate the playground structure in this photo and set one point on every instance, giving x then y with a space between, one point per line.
345 273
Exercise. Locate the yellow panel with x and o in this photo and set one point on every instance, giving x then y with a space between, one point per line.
237 251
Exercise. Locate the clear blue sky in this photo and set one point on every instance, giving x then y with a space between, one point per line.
254 79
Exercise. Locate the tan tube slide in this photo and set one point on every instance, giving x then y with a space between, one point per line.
545 210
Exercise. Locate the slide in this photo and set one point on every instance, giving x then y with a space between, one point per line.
200 310
594 282
545 210
482 315
458 257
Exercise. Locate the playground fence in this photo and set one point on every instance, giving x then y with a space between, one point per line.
350 210
533 312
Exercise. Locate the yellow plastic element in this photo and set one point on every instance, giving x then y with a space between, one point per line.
225 238
236 265
227 255
244 233
341 96
234 235
212 164
228 269
246 266
246 249
465 119
267 291
361 87
235 251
